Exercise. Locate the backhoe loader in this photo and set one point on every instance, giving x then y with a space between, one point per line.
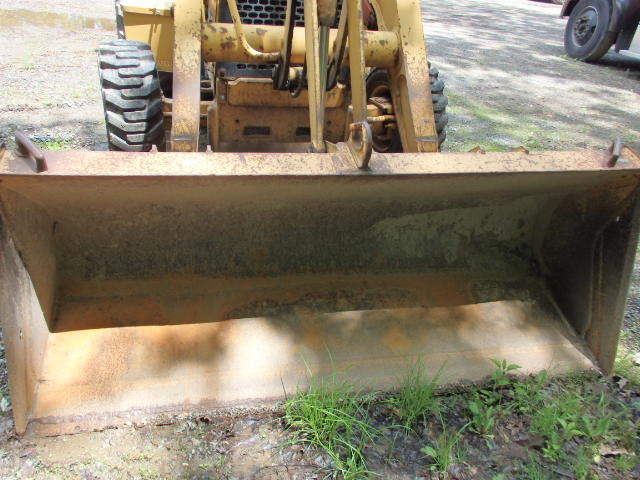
274 206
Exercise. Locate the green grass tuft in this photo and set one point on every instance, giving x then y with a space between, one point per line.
445 450
332 415
416 396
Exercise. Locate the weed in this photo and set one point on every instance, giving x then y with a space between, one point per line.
558 423
529 395
572 415
625 430
330 416
626 463
625 367
482 415
146 473
582 464
532 470
598 429
499 377
499 380
223 471
136 457
54 143
416 397
445 450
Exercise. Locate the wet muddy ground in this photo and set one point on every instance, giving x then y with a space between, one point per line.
509 84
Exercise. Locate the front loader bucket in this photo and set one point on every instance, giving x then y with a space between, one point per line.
141 283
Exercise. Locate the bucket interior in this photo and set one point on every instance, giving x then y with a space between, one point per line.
169 290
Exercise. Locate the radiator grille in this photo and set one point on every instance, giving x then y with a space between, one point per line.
271 12
261 12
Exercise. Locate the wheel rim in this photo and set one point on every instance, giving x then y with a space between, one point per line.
585 25
382 139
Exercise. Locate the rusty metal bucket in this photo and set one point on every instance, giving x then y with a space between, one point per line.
139 283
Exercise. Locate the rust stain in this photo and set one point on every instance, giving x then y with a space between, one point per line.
312 337
396 339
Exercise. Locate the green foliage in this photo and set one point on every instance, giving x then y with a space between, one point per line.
626 463
416 396
599 428
532 470
558 423
482 415
499 377
625 367
592 419
332 415
445 450
529 395
582 465
54 143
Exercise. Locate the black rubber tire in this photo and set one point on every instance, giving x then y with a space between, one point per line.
131 96
586 36
380 78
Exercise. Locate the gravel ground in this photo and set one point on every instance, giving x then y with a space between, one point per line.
509 84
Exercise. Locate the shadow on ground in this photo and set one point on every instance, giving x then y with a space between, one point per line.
511 83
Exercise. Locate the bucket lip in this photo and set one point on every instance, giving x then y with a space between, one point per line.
79 163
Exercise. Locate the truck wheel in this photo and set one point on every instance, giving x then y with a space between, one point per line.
586 36
131 96
388 140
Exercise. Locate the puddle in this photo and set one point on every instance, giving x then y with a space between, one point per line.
20 17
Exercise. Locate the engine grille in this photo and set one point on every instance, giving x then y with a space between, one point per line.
261 12
271 12
268 12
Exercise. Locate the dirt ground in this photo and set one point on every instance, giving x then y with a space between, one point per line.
509 83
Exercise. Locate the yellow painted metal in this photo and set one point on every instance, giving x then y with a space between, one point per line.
356 60
220 44
158 7
193 280
316 63
185 122
410 88
248 115
256 55
151 24
398 46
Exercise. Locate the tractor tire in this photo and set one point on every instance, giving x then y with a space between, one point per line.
131 96
587 36
378 84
